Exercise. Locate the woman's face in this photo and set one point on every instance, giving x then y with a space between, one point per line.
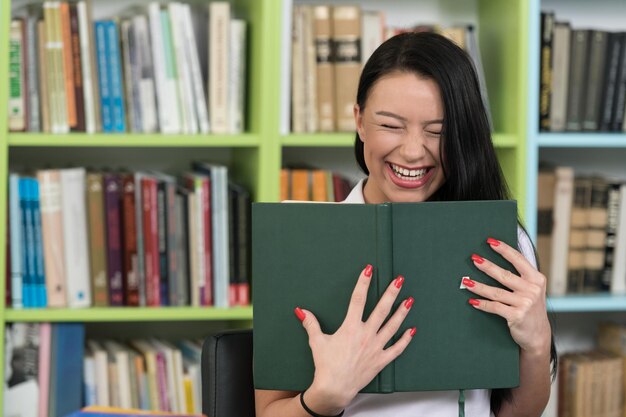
400 128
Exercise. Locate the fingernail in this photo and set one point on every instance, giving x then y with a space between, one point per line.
477 259
409 302
299 313
368 270
468 282
474 302
493 242
413 331
399 281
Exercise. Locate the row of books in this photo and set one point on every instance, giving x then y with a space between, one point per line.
329 46
581 231
81 239
591 383
583 78
303 184
54 371
144 71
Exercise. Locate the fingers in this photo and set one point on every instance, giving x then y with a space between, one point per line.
519 261
382 309
309 321
503 276
393 351
494 307
359 295
391 327
501 295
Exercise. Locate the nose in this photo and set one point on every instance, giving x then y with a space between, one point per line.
413 147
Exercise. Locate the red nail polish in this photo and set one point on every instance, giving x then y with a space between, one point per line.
299 313
413 331
368 270
399 281
493 242
474 302
477 259
468 282
409 302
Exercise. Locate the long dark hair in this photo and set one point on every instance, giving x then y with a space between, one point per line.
470 164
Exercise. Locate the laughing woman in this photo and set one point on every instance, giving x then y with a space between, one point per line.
423 135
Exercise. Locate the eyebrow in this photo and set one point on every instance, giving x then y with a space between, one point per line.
396 116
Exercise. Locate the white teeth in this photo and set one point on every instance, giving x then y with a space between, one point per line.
406 174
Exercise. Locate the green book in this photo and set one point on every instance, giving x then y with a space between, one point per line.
310 255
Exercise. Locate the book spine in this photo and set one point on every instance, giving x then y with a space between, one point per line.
172 233
613 210
347 52
114 242
115 80
97 240
145 69
40 281
52 229
89 89
171 74
560 76
141 262
547 30
151 241
131 278
243 239
324 68
74 214
219 33
32 78
182 250
131 75
620 91
607 103
578 74
103 77
44 101
206 216
17 82
162 244
27 244
236 95
77 69
233 244
597 54
16 237
382 272
68 67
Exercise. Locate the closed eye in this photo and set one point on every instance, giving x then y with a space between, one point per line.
390 126
433 133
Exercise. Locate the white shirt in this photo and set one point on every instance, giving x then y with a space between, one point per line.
425 403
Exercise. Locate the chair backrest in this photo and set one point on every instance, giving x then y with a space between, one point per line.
227 384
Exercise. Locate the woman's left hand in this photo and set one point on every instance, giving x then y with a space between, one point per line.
522 303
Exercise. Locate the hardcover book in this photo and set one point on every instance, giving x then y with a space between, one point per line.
310 255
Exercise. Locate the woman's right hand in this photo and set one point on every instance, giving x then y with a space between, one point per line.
348 360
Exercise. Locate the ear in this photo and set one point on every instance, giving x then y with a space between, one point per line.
358 121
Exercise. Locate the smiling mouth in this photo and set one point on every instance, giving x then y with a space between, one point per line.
408 174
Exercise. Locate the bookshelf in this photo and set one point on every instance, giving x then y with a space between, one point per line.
256 157
576 316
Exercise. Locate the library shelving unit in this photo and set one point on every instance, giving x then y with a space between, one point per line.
588 152
256 157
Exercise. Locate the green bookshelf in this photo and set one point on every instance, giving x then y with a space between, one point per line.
257 155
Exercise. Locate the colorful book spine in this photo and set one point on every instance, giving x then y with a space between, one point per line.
112 205
104 82
151 240
28 244
131 278
40 278
115 77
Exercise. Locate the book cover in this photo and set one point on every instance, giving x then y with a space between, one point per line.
322 249
22 372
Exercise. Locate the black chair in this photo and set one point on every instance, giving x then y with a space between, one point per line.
227 384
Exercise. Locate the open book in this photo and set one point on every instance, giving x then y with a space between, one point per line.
310 255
